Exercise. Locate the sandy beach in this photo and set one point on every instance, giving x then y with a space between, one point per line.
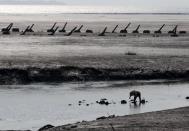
168 120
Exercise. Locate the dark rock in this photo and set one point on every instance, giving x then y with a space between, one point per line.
187 97
103 102
123 102
46 127
101 118
112 116
143 101
81 102
107 103
73 126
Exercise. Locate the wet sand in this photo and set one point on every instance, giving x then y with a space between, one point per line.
24 60
169 120
98 69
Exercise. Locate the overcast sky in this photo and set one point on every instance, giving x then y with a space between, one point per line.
176 5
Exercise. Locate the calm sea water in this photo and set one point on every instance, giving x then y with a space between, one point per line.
62 13
51 9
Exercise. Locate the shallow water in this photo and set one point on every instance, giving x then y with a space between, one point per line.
32 106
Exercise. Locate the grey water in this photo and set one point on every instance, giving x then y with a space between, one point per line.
35 105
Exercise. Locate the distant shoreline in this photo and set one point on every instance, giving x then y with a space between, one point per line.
106 13
135 13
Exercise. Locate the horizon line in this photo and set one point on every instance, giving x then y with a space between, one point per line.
109 13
